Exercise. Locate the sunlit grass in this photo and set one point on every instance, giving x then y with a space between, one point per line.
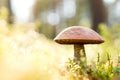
27 55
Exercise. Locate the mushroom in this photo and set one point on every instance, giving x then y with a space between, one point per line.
78 36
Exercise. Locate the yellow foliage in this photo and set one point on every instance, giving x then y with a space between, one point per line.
4 13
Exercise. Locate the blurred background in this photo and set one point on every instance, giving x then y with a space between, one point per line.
28 27
51 16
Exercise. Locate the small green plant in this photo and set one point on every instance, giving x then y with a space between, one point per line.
103 70
76 69
117 69
99 71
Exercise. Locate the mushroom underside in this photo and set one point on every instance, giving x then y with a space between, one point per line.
78 41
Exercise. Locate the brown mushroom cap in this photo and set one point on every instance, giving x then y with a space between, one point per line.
78 35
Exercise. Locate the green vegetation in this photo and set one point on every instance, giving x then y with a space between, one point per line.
97 71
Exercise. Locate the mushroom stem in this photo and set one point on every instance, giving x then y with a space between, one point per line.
79 51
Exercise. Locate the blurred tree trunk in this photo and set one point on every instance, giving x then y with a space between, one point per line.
7 4
10 16
41 6
98 12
